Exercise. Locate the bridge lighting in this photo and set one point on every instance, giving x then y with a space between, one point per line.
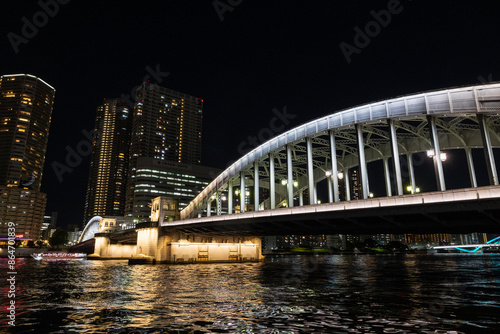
417 190
295 184
247 193
430 153
319 202
370 195
212 197
340 175
409 188
443 156
237 192
223 198
284 182
328 173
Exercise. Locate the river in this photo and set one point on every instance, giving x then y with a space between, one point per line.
413 293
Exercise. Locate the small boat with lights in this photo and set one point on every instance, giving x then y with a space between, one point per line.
59 256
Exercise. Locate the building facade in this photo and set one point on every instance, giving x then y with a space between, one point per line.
154 177
26 104
109 160
165 149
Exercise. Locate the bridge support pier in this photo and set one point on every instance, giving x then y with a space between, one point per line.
157 245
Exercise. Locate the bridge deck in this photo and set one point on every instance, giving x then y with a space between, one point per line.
453 211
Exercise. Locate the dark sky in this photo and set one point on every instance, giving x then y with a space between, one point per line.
262 55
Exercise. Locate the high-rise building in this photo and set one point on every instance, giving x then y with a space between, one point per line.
166 127
154 177
109 161
25 113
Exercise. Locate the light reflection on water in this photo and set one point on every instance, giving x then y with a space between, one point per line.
294 294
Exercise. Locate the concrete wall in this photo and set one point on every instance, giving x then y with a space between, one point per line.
104 249
154 245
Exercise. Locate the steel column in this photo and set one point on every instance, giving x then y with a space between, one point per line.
230 197
335 178
387 175
256 190
219 203
470 164
242 192
411 172
363 172
301 197
209 208
290 175
272 182
488 150
438 165
310 170
395 158
347 185
330 189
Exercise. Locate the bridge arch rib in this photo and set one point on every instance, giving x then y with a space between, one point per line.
457 118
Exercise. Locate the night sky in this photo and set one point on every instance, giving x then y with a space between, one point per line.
262 55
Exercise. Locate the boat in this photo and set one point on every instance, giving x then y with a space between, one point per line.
59 256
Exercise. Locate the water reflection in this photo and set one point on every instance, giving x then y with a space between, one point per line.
294 294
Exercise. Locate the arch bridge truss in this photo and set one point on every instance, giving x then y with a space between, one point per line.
285 170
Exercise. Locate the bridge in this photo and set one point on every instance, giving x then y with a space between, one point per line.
274 188
493 244
287 169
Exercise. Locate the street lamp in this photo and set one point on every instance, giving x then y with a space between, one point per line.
370 195
295 184
284 182
340 175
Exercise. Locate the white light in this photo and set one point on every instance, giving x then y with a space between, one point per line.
224 198
319 202
340 175
430 153
328 173
247 193
283 182
370 195
443 156
417 190
295 184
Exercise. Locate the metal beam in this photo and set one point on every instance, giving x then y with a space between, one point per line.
488 150
365 191
310 171
396 165
290 175
438 165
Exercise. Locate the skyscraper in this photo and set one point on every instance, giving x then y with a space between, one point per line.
109 161
166 127
25 113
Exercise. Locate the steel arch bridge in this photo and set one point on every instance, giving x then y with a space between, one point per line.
292 163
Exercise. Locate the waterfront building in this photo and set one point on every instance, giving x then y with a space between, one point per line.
109 160
26 104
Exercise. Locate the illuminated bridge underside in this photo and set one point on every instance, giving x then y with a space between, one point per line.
457 211
460 118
